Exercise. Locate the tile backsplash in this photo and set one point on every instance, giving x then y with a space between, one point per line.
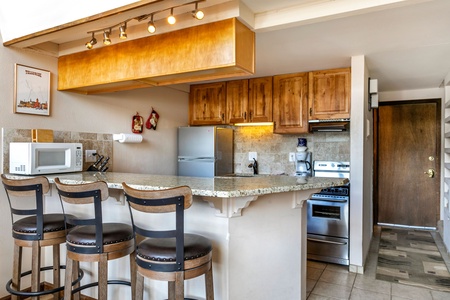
103 143
273 149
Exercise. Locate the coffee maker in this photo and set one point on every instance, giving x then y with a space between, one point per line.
303 165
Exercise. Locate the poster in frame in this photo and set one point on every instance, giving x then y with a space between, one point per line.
31 91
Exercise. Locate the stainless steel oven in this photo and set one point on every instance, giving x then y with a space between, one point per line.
328 217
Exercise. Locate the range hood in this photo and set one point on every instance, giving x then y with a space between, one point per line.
329 125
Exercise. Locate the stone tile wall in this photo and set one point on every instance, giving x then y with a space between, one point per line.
273 149
103 143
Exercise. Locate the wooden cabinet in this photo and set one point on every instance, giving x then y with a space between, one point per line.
249 100
260 99
207 104
329 94
290 103
237 101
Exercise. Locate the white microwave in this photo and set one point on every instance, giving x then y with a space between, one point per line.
45 158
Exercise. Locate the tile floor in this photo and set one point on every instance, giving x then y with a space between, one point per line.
330 281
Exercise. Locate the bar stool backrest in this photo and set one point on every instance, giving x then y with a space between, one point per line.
161 201
86 193
33 189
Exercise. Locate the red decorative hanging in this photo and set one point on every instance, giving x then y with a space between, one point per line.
152 120
137 125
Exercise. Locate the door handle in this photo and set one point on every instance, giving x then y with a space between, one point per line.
326 242
430 173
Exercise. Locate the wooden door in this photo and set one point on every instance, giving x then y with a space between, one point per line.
290 103
237 101
260 99
408 145
329 94
207 104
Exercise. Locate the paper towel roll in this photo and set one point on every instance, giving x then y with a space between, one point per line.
127 138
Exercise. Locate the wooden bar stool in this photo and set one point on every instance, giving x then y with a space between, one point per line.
34 230
168 255
92 240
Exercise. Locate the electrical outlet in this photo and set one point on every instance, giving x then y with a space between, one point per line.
90 155
252 155
291 156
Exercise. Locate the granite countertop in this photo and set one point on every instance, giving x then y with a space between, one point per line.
225 187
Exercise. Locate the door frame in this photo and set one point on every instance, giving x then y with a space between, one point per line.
375 195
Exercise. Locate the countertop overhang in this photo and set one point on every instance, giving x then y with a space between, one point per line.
223 187
227 195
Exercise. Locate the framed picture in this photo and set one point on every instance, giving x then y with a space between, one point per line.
31 91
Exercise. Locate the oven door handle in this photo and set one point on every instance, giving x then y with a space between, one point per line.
329 200
326 242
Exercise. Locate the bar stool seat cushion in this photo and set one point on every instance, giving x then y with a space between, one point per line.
158 249
112 233
52 223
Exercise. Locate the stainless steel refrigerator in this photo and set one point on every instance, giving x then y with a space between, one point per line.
205 151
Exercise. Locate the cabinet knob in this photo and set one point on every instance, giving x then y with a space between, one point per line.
245 115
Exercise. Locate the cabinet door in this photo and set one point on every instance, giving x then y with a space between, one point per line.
290 103
329 94
237 101
260 99
207 104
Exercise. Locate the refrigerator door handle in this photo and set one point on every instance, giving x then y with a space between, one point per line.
196 159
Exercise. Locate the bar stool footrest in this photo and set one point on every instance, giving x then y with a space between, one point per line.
41 293
93 284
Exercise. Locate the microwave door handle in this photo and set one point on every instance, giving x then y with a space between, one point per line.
326 242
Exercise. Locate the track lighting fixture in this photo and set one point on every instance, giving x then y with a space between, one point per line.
92 42
123 31
106 39
151 25
197 13
151 28
171 19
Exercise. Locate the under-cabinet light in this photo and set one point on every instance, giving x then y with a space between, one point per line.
255 124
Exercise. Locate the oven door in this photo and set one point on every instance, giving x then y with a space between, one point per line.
328 217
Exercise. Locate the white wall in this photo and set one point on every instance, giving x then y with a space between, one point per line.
106 113
361 160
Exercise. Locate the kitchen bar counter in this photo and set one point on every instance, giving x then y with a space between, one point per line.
221 186
257 226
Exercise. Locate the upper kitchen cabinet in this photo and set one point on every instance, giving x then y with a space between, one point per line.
207 104
249 100
260 99
217 50
329 94
290 103
237 101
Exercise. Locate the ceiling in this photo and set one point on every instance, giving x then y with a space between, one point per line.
406 43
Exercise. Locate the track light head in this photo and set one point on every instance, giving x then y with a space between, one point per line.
151 28
123 31
92 42
197 13
106 38
171 19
